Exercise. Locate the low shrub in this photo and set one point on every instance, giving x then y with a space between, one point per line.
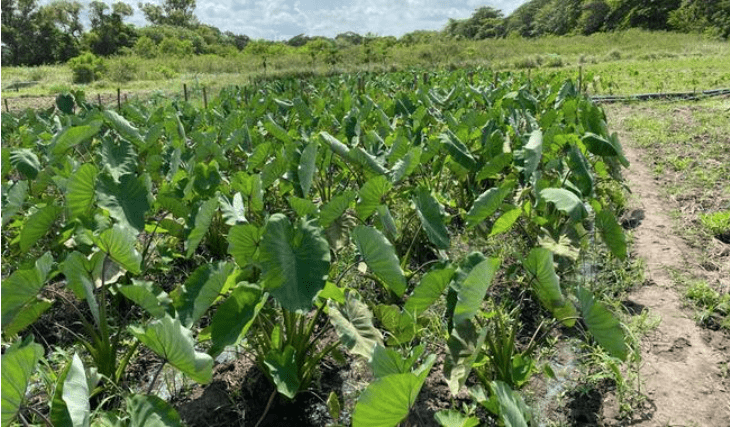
86 68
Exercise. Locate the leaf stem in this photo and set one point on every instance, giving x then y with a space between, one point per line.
266 410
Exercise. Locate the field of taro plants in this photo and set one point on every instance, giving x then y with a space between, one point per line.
421 229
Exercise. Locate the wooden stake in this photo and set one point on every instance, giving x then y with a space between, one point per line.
98 96
185 91
119 99
7 108
580 79
205 98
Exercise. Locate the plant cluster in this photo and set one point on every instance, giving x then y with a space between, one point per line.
298 210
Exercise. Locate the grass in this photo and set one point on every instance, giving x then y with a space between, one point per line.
622 63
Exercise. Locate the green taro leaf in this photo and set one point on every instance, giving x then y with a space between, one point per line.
464 346
65 102
233 210
354 326
118 158
429 289
366 160
454 418
18 363
458 150
277 131
545 282
199 292
487 203
387 401
533 153
149 296
76 268
284 371
38 225
512 408
126 201
505 222
565 201
603 325
387 361
122 125
371 195
295 261
202 221
494 166
173 342
26 162
74 135
302 207
387 223
611 233
334 209
20 303
406 165
581 171
380 257
307 167
243 243
473 290
13 198
120 244
608 147
81 191
76 394
335 145
234 317
431 214
151 411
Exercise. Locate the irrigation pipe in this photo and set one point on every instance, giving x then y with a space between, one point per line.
669 95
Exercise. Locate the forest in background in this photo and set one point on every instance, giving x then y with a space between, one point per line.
34 34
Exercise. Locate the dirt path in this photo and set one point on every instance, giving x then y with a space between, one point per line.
681 371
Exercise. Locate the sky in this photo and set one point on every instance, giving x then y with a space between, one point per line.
284 19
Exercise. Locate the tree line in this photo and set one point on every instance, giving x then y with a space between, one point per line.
563 17
34 34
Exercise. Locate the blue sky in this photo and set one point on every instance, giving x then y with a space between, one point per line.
283 19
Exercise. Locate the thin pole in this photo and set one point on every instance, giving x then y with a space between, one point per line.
185 91
7 108
205 98
119 99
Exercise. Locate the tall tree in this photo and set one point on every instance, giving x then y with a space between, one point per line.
178 13
108 32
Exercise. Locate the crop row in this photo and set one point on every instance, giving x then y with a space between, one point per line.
298 210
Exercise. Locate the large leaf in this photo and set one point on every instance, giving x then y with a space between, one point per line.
473 289
122 125
387 400
37 226
354 326
505 222
18 364
603 325
406 165
366 160
458 150
118 158
243 243
512 408
234 317
581 171
380 257
454 418
151 411
20 292
334 209
201 224
170 340
464 345
26 162
126 201
120 244
431 215
199 292
295 261
609 147
565 201
545 282
81 190
487 203
276 130
428 290
233 210
72 136
14 196
76 269
611 233
371 195
284 371
149 296
307 167
533 153
76 394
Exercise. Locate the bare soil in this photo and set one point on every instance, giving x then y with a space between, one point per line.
684 367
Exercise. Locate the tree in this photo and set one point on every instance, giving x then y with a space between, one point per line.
108 32
486 22
178 13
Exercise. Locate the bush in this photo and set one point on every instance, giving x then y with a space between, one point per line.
86 67
122 71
